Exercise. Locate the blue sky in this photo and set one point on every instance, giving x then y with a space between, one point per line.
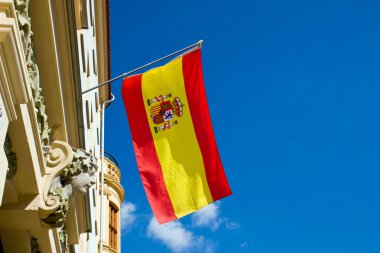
293 89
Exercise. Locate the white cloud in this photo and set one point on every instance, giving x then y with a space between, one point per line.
177 238
209 217
127 216
231 225
246 244
243 244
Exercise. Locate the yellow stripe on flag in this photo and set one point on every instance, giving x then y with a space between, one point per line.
184 174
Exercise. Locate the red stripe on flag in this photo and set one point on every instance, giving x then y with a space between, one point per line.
147 160
197 102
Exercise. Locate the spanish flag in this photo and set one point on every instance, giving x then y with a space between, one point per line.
173 140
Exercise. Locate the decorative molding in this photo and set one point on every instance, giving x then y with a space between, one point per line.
63 239
109 249
25 26
115 185
69 172
82 162
113 170
11 157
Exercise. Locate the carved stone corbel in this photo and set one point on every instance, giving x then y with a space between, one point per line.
69 172
59 157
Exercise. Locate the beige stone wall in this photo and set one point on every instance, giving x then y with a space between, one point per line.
48 121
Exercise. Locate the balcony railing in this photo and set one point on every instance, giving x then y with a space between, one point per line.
111 158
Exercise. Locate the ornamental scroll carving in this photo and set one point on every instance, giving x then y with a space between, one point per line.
69 171
63 239
24 22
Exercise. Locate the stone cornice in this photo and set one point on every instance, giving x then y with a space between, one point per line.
12 63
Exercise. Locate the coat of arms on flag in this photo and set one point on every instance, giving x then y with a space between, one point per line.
164 112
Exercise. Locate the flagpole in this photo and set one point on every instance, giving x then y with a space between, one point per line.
198 44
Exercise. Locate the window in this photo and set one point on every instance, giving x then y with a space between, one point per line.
93 62
93 197
91 16
113 233
92 115
83 14
88 115
96 101
88 65
87 209
82 51
97 135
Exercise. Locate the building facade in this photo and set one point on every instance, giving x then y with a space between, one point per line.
50 189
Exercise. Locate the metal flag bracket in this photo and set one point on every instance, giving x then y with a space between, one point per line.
198 44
